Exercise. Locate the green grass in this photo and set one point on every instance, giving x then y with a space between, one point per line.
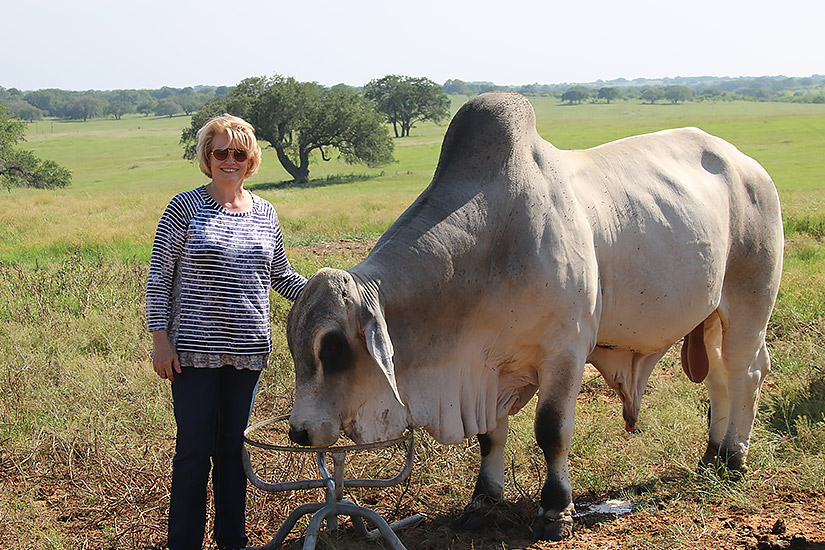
86 427
126 170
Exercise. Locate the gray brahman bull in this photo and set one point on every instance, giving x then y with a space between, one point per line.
520 263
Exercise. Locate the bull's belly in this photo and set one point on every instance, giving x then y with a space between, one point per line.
647 305
645 330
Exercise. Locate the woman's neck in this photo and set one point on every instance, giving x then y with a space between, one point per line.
233 198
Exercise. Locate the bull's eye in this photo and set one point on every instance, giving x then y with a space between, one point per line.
335 353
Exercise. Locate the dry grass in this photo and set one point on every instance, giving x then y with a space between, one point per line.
86 433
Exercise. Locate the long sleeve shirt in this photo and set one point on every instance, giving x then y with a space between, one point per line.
211 272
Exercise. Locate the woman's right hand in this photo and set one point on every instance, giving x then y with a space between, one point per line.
164 359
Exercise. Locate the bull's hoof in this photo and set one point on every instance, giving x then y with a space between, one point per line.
731 474
722 471
553 529
477 514
710 457
725 464
733 463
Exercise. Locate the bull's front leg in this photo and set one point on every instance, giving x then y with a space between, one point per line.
489 488
560 384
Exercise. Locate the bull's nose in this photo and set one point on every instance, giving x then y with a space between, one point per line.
300 437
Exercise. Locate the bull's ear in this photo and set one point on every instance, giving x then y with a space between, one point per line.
371 317
380 347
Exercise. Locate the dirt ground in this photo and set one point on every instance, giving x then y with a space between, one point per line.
796 522
99 511
355 249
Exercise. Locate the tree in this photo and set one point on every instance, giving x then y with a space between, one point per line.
147 107
45 100
23 109
677 93
652 95
191 102
85 107
122 102
168 107
713 92
164 92
406 100
609 93
576 94
19 168
455 86
297 118
53 102
528 89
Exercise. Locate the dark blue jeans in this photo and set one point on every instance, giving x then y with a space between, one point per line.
212 409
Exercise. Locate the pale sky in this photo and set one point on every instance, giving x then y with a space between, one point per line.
121 44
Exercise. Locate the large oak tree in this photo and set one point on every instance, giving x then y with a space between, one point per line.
297 118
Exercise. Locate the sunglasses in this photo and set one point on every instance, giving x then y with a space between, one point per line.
238 154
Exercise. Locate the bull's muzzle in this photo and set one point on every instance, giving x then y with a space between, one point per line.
299 436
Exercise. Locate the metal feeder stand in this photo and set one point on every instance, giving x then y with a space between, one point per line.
334 484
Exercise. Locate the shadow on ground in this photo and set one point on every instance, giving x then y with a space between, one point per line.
334 179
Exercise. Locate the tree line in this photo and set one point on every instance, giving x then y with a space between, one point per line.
166 101
73 105
672 94
299 118
403 99
294 118
766 88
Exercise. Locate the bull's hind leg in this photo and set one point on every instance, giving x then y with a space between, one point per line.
734 389
717 386
559 386
744 386
489 487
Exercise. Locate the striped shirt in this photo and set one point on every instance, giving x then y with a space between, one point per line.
224 264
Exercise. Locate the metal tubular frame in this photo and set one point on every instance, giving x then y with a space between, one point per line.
333 485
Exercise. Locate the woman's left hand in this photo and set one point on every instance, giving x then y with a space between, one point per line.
164 359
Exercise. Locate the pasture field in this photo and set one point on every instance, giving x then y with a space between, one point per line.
86 430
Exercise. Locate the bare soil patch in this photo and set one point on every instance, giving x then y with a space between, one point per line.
127 509
355 249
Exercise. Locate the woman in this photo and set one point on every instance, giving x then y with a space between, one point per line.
217 252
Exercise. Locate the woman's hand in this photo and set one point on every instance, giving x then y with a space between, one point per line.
164 359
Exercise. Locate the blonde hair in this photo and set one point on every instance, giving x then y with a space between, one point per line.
241 134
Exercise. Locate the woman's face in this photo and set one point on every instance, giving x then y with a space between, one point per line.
229 170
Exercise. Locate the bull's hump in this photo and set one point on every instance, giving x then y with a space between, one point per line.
485 134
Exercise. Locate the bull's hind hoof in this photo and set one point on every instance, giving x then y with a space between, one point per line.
553 529
710 457
721 470
477 514
728 464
